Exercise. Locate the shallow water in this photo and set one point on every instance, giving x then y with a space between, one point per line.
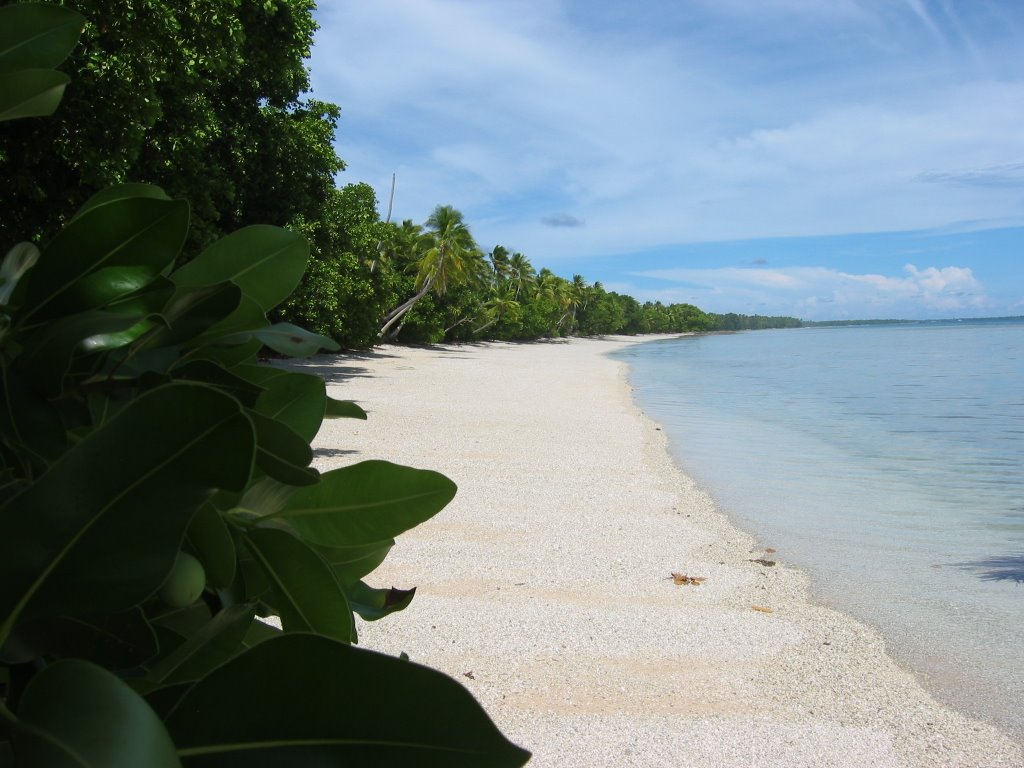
886 460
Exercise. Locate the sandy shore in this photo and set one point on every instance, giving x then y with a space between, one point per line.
546 587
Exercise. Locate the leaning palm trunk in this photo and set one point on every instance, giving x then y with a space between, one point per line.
399 312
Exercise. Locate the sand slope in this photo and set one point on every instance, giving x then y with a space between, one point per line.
546 587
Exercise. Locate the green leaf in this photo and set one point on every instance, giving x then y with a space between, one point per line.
108 284
284 338
229 357
266 262
264 497
295 399
372 604
213 545
281 453
76 714
304 700
305 593
352 563
31 93
120 192
27 420
48 352
192 313
343 409
237 328
99 531
216 641
209 372
141 233
37 36
366 503
115 641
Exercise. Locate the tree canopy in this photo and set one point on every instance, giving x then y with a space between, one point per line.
203 97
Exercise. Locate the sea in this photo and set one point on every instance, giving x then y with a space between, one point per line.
887 461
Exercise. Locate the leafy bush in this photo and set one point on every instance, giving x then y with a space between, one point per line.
156 496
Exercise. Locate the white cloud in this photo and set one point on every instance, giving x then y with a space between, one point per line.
818 292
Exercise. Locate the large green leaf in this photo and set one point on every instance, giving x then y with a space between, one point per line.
27 420
304 700
293 341
31 93
115 641
237 328
209 372
295 399
216 641
211 540
305 592
142 233
119 192
372 604
343 409
281 453
191 313
352 563
48 352
366 503
266 262
78 715
229 357
99 531
284 338
37 36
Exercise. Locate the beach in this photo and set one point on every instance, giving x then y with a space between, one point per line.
546 587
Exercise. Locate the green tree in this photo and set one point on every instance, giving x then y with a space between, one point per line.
446 257
521 274
202 97
348 285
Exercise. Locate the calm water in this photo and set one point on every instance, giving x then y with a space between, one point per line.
886 460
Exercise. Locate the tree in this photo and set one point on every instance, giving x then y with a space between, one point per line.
202 97
348 285
447 256
521 274
501 304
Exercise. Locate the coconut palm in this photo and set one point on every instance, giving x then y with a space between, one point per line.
501 303
521 274
446 255
499 262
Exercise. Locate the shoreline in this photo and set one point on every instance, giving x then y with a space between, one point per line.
546 586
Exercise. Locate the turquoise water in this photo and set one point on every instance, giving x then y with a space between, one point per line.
888 461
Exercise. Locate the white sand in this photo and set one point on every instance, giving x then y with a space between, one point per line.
545 586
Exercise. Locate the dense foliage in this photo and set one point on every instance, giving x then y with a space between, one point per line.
201 97
156 498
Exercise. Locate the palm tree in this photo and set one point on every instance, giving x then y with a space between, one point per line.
499 262
501 303
521 274
449 256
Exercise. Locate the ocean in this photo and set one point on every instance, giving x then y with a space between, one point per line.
885 460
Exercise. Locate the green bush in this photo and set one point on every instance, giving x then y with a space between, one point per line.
156 497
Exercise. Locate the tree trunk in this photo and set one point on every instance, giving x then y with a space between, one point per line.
395 314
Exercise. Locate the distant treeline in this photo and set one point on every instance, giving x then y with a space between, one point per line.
833 323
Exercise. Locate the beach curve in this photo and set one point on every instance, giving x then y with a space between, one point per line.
547 586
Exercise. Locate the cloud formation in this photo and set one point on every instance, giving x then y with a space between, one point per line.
818 292
562 220
675 122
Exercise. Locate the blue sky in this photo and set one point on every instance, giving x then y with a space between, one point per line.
826 159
